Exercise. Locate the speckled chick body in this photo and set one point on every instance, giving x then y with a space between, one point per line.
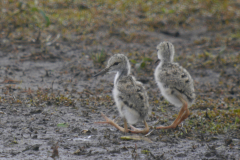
172 79
131 99
129 94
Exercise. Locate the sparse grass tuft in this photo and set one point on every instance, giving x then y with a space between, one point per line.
99 58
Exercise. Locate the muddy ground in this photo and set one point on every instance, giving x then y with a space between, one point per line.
50 101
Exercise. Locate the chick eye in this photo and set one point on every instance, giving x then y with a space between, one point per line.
116 63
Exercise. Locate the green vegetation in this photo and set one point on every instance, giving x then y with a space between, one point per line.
99 58
143 63
64 125
23 19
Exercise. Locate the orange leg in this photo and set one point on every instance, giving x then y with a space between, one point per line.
111 122
183 114
144 131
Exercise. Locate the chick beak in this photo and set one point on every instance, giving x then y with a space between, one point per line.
102 72
158 60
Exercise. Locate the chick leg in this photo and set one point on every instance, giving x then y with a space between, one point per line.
183 114
111 122
144 131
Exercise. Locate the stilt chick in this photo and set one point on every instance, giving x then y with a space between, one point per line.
130 95
175 83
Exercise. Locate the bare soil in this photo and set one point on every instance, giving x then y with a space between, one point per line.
50 101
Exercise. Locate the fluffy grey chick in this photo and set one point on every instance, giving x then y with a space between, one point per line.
175 83
130 95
